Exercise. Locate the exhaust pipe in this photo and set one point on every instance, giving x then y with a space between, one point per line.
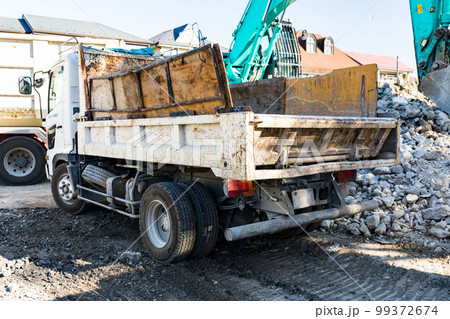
282 223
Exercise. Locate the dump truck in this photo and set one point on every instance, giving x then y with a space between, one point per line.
170 142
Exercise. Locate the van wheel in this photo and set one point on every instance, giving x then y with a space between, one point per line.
207 219
167 222
64 194
22 161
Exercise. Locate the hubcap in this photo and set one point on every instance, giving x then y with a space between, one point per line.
65 189
19 162
158 224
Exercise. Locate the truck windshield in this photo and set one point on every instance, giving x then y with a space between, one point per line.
55 90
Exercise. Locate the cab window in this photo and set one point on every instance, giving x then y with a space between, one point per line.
55 89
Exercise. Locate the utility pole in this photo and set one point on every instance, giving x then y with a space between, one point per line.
398 73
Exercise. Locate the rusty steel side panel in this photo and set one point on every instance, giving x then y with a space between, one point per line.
345 92
100 63
95 63
265 96
192 82
290 141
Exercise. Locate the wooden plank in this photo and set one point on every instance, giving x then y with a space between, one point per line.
344 92
222 75
350 92
102 94
154 86
21 122
191 82
127 92
264 97
194 77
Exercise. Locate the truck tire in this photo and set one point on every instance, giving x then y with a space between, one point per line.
96 176
167 222
22 160
207 219
63 192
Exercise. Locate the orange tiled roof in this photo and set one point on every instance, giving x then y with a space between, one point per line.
319 62
383 62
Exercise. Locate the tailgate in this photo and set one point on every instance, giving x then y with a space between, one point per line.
291 146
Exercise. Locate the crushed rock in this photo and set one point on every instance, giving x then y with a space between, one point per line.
414 197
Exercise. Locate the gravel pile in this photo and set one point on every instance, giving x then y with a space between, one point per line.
415 195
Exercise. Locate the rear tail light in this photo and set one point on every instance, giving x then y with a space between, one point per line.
346 176
236 188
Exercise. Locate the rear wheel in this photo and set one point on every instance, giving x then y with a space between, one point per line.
207 219
22 161
64 192
167 222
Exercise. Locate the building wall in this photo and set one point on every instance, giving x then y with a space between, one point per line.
169 50
24 54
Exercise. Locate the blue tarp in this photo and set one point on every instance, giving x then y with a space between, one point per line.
143 51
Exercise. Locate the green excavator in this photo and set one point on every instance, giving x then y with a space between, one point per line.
430 21
265 46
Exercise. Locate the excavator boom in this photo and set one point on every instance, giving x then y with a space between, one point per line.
430 21
249 56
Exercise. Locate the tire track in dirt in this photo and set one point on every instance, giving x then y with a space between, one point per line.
302 270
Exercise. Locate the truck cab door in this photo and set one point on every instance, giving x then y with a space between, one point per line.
54 122
63 103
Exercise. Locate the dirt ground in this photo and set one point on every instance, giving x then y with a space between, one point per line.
46 254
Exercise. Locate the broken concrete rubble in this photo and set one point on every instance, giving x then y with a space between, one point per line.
414 196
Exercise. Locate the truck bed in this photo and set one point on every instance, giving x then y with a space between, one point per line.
248 146
181 111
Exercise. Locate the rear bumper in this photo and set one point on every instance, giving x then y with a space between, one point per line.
286 222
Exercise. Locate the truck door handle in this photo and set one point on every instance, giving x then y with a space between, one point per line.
59 126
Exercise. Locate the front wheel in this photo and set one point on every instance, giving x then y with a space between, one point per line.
167 222
64 192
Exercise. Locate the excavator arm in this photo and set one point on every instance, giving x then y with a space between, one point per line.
254 40
430 22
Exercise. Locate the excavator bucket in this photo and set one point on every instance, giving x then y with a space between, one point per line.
436 86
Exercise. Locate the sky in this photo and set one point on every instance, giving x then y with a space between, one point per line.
370 26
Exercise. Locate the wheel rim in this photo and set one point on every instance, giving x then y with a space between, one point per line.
158 224
65 189
19 162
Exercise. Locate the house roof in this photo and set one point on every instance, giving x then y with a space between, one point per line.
383 62
13 25
171 36
180 36
57 26
321 63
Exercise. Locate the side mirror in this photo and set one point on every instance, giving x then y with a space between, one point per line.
39 82
25 85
